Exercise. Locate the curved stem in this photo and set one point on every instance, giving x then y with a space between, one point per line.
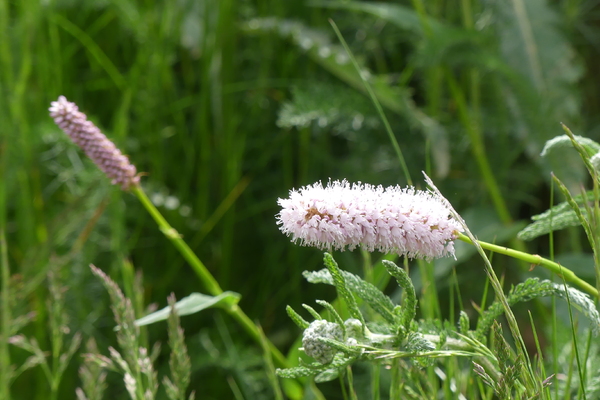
535 259
210 283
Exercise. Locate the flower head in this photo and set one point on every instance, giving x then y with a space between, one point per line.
406 221
314 347
92 141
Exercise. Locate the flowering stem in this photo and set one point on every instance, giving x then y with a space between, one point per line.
211 284
535 259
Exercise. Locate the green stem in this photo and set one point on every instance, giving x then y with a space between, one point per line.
478 149
6 315
211 284
535 259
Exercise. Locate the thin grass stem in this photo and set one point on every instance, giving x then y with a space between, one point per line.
535 259
6 316
376 103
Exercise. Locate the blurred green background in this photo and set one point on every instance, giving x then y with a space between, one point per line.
226 105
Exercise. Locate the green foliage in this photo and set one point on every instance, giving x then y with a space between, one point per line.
179 362
533 288
556 218
312 311
328 107
211 100
368 292
407 312
562 142
298 320
340 285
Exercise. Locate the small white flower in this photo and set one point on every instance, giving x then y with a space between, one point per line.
405 221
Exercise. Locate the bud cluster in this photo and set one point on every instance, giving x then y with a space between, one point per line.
94 143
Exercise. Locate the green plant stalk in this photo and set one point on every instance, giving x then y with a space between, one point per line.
478 149
535 259
4 354
576 347
210 283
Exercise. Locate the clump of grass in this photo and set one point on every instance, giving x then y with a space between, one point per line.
134 362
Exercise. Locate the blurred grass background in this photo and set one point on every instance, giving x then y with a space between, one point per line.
225 105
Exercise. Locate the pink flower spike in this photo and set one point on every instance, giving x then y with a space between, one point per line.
92 141
341 215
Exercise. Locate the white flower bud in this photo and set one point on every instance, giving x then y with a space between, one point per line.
315 348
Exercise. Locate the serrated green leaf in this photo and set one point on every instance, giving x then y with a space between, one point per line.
463 323
296 372
339 361
524 291
312 311
434 40
337 318
340 286
583 302
409 307
192 304
374 297
298 320
546 225
556 218
328 105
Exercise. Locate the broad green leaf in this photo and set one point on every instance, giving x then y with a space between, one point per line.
327 375
534 45
564 142
192 304
556 218
551 223
581 301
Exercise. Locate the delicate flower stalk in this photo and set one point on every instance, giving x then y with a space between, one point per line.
341 215
94 143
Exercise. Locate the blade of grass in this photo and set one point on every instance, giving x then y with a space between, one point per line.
5 363
573 326
526 368
377 105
